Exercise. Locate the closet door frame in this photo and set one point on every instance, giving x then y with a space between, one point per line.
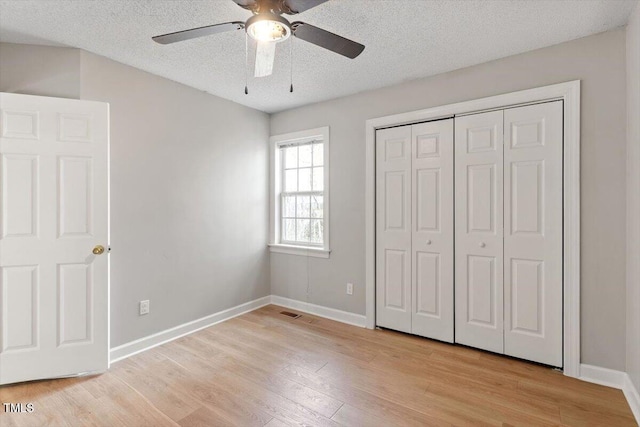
569 92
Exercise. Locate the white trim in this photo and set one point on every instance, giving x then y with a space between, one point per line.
633 397
148 342
275 186
569 92
602 376
299 250
320 310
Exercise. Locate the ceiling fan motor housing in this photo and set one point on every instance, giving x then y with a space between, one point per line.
268 27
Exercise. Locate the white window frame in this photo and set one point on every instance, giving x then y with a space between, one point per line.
275 142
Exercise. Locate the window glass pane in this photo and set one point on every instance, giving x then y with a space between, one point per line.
291 180
316 207
317 231
305 156
289 206
305 179
318 179
303 207
303 232
290 157
289 230
318 154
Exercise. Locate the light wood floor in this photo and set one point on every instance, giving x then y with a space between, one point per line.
267 369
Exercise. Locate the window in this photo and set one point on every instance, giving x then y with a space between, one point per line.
300 193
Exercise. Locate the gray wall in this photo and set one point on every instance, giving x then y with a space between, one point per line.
633 198
181 236
40 70
189 216
599 61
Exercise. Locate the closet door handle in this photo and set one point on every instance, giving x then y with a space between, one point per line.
482 244
428 242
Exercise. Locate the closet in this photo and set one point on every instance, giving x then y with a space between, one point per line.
469 230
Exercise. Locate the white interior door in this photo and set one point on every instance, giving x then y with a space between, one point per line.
533 232
393 228
53 289
432 230
479 231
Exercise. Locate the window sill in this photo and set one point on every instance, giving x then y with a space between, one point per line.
300 250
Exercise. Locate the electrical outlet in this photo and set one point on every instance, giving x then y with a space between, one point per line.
144 307
349 288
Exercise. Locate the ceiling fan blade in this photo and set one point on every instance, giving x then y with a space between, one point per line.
327 40
265 57
193 33
246 4
298 6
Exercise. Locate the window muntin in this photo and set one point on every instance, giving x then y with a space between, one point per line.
302 196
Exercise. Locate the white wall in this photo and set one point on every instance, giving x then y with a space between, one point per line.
633 198
599 61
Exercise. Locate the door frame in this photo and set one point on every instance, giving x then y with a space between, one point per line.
569 92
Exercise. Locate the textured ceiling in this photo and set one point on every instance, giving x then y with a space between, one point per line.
405 39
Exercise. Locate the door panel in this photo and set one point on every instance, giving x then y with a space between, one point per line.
481 196
527 198
74 196
481 282
20 290
429 281
54 290
432 230
19 195
395 278
428 204
75 288
395 215
479 223
393 228
533 232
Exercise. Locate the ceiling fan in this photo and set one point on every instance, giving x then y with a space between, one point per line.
267 27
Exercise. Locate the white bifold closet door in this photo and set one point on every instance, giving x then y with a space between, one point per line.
533 232
479 223
414 236
509 232
393 228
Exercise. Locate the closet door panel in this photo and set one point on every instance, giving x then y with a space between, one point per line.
393 228
479 231
533 232
432 230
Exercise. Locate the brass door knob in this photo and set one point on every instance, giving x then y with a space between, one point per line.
98 250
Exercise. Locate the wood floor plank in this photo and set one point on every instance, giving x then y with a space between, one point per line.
205 417
244 365
264 368
362 401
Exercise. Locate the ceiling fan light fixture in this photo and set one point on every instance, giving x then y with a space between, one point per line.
268 27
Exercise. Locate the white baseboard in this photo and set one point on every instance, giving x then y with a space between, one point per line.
322 311
602 376
633 397
615 379
146 343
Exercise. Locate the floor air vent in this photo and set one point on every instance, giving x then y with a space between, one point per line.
290 314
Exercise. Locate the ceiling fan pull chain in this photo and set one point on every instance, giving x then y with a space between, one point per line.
291 64
246 63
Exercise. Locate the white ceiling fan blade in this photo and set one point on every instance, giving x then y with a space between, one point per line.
265 57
